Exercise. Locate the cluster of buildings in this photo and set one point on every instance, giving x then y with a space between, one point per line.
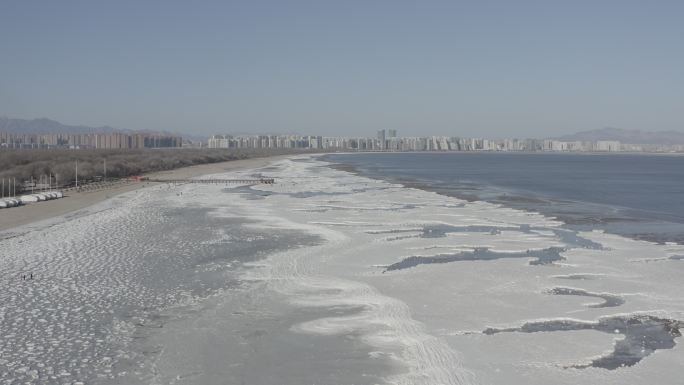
266 141
89 141
387 140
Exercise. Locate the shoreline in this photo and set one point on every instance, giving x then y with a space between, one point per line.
579 153
576 220
73 201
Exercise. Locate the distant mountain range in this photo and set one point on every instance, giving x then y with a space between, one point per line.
626 136
46 126
49 126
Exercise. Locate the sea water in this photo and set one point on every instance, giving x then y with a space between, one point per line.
638 195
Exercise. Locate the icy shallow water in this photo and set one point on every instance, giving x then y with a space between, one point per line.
634 195
331 278
103 279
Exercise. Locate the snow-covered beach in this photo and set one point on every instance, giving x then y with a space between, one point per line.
330 277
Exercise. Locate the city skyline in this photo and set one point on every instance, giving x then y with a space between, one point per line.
489 69
395 143
383 140
46 126
110 141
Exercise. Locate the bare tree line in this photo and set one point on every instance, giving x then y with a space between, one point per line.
61 164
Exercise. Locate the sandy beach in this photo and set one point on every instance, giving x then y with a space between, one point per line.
72 201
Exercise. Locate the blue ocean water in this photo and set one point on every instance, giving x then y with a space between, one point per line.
637 195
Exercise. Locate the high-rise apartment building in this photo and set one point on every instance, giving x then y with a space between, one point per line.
381 139
115 140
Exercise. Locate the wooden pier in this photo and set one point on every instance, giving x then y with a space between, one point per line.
216 181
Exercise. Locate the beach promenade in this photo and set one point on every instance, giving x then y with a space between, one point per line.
73 200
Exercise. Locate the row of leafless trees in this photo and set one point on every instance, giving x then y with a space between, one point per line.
61 164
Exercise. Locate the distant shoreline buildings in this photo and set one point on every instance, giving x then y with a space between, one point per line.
89 141
384 140
387 140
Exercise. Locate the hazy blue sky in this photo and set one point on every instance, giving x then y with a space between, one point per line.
478 68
